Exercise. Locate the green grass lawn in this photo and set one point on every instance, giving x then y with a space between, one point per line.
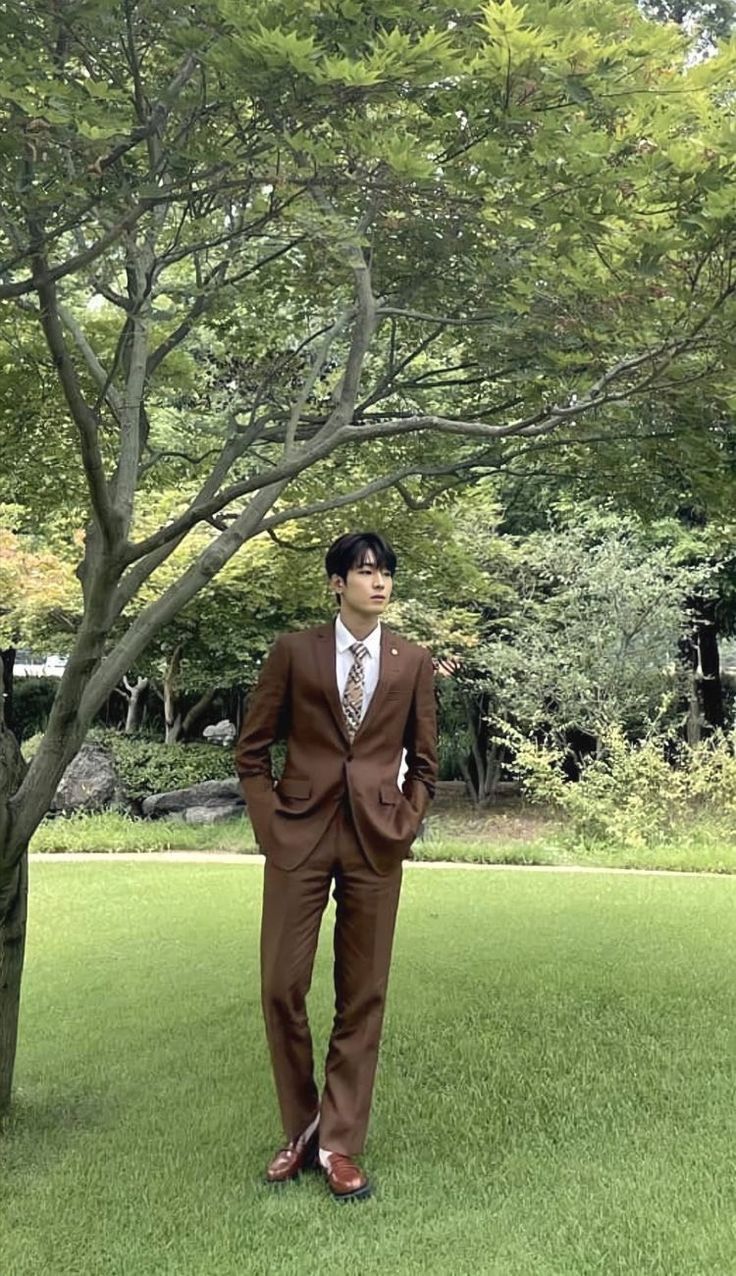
512 833
555 1095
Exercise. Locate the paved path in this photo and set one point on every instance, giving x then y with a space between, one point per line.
232 857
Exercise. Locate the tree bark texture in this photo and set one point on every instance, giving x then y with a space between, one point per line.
136 702
482 769
14 893
6 709
711 691
172 716
13 912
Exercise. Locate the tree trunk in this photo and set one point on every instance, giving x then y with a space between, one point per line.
473 768
711 691
689 651
469 783
8 661
136 702
13 907
693 722
172 717
14 894
493 771
482 769
173 730
699 651
196 711
25 793
178 725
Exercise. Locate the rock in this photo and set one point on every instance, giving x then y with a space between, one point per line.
208 793
90 783
221 733
211 814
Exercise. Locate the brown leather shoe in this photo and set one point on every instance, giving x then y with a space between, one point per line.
289 1162
345 1179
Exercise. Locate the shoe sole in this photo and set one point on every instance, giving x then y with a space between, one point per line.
360 1194
307 1169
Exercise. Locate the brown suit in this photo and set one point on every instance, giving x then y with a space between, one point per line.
337 812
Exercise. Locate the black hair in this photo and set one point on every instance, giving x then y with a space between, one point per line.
352 549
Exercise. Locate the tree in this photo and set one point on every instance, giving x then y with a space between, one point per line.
256 239
710 21
590 639
35 584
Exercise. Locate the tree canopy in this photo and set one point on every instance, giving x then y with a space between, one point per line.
257 241
262 261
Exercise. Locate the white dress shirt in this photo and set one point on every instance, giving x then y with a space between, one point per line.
344 660
371 669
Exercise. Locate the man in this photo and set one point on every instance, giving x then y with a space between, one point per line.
349 696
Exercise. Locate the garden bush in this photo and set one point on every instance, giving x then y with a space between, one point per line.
33 699
635 794
148 766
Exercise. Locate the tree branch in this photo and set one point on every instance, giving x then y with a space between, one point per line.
157 116
234 447
125 477
85 258
317 365
82 415
326 441
446 321
164 608
216 279
197 710
376 485
96 370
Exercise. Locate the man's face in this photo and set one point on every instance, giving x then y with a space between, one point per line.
367 589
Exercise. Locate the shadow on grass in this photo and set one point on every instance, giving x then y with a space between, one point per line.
39 1128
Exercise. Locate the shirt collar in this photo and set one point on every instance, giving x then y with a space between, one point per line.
344 639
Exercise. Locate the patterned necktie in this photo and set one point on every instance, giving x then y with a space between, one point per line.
352 696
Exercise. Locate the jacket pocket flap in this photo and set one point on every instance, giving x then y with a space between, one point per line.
293 787
389 793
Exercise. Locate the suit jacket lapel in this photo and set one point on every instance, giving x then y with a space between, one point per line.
388 675
326 660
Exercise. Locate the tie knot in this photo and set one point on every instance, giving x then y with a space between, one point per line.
359 650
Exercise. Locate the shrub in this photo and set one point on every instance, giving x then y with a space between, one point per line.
635 794
33 699
29 747
712 774
148 766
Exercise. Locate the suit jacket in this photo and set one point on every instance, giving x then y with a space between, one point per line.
296 698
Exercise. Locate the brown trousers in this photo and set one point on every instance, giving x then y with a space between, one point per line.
293 904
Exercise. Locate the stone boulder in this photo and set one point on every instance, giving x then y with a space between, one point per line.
213 794
214 814
222 732
91 783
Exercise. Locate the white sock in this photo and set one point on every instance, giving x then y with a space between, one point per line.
309 1130
324 1158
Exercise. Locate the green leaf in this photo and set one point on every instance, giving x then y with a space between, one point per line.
578 90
